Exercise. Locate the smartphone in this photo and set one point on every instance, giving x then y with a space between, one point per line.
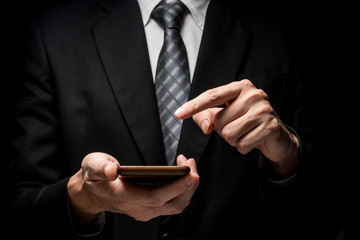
152 173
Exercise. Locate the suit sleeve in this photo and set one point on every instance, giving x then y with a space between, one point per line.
283 200
37 196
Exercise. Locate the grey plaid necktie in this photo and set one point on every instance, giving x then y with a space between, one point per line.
172 81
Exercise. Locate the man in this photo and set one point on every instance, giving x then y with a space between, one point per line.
89 105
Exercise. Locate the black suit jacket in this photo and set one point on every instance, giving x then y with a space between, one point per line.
88 87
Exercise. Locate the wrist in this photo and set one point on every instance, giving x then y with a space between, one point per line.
288 165
285 161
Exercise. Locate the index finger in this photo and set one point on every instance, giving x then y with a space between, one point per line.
208 99
161 195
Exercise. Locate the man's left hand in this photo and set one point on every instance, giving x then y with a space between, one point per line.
247 121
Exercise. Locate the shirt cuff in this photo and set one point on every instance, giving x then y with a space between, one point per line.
86 230
282 182
91 230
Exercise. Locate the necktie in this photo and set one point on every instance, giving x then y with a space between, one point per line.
172 81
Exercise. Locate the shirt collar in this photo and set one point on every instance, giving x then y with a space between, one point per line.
197 9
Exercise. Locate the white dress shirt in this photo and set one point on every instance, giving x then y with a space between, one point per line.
191 31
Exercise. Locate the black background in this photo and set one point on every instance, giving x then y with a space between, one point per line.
323 34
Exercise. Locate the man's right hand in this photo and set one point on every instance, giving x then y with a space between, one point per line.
96 187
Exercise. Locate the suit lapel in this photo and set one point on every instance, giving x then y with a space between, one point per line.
221 52
121 43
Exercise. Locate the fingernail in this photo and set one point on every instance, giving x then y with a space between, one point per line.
182 159
205 125
180 112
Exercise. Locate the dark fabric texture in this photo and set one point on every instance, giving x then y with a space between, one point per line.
88 87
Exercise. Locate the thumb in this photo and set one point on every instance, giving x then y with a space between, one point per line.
100 166
204 119
111 171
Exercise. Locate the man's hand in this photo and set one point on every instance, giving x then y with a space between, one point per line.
96 187
248 121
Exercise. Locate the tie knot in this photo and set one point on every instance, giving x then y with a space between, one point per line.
170 15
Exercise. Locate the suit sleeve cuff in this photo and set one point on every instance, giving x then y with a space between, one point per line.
86 230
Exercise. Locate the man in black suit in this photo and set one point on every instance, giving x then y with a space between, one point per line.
89 103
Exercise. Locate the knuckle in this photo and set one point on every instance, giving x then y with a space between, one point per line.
228 134
155 201
274 125
261 93
176 208
212 95
243 147
265 109
246 83
257 95
194 106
